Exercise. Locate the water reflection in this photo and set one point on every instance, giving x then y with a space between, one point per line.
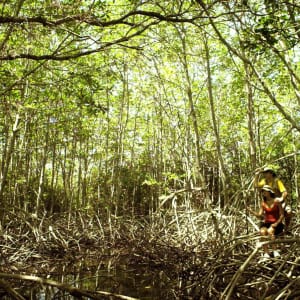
137 281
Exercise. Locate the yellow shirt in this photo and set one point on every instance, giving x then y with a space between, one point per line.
276 185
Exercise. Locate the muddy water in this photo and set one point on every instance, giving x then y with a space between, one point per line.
137 281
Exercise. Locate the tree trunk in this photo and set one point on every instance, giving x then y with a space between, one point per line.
222 168
184 60
6 163
251 117
42 171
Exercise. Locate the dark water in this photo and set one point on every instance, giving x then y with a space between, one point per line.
137 281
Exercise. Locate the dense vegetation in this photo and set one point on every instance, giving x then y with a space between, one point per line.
124 111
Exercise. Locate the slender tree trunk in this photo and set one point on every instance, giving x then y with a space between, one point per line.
71 176
84 192
53 176
251 117
42 172
252 129
6 164
116 188
295 190
63 161
184 59
78 196
223 173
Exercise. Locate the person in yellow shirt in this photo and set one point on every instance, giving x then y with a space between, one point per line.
269 178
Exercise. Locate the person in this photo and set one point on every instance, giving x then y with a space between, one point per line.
273 214
270 178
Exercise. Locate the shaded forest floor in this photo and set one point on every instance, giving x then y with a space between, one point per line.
189 255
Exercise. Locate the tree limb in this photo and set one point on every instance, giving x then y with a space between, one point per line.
76 292
264 85
93 20
79 53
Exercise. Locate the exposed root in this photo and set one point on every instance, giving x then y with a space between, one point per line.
181 251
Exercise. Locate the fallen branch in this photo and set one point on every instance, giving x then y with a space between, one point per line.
76 292
230 287
165 198
9 290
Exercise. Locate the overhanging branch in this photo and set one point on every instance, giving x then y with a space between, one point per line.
93 20
57 57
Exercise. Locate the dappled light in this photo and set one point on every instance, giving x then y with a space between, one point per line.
169 256
149 149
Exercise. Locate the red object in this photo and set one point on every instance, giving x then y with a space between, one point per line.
271 213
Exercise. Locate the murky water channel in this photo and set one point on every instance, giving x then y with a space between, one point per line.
137 281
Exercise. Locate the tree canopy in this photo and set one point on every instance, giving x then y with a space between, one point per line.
115 103
134 129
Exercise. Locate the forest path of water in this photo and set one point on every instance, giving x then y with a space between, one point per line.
85 257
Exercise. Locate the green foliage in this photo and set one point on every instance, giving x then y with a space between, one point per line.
107 115
272 28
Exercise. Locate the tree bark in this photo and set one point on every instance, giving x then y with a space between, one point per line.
222 168
184 59
6 164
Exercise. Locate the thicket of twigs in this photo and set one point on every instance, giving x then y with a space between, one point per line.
192 254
